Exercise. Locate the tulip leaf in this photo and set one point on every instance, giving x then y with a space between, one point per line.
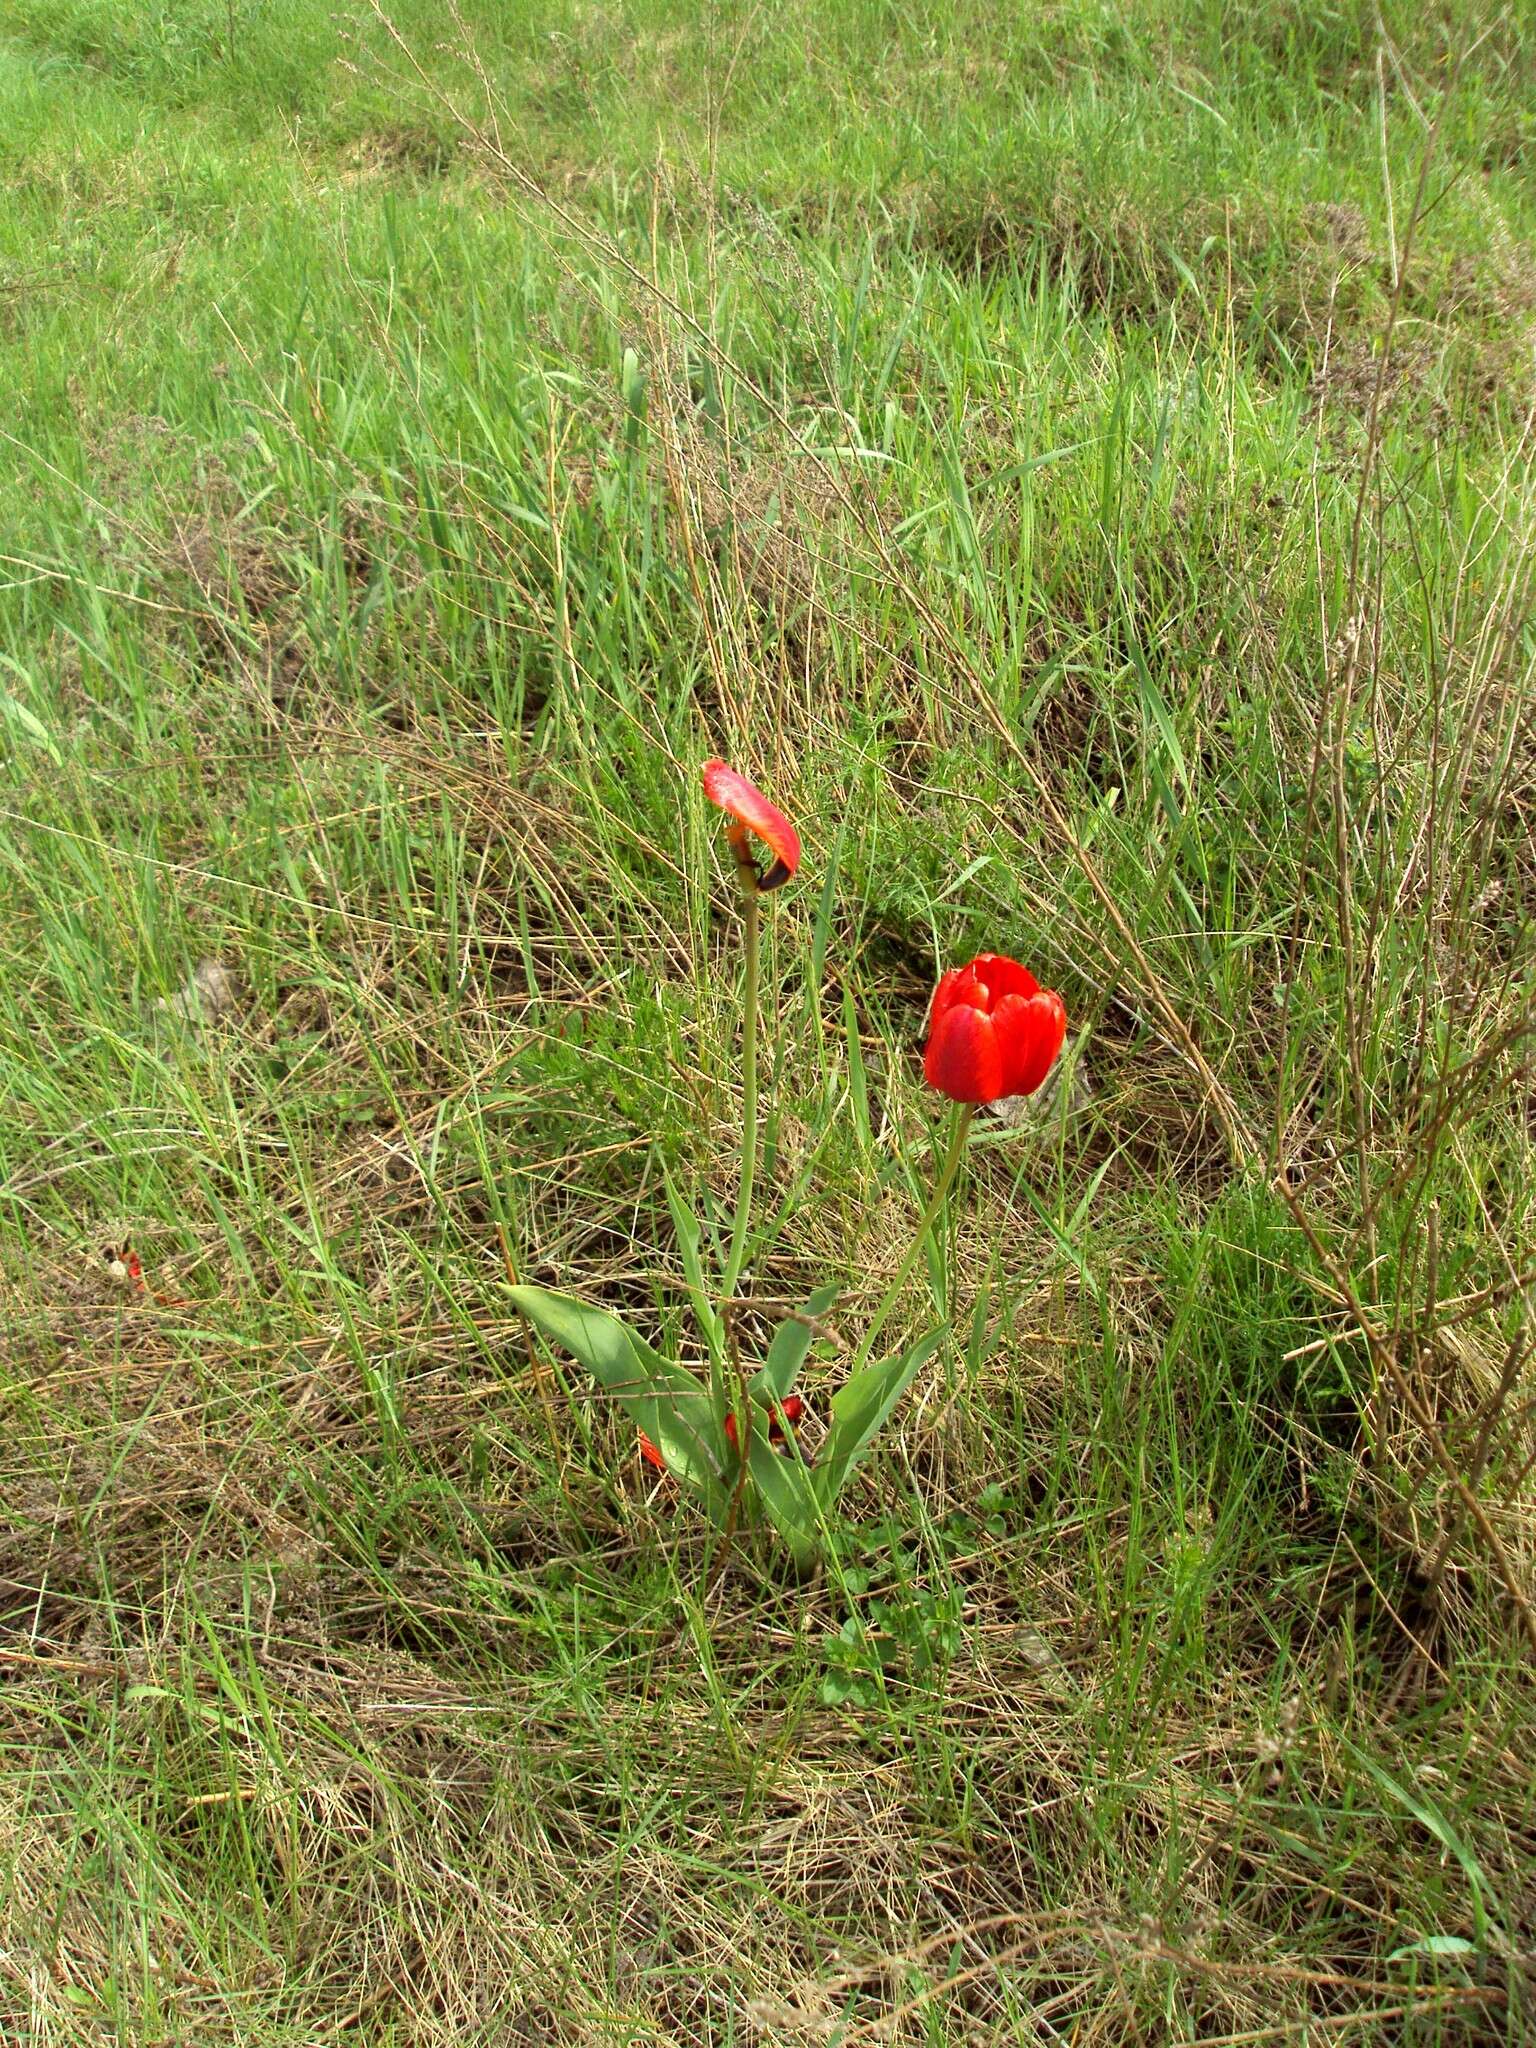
1435 1945
858 1080
689 1237
663 1399
860 1409
792 1340
786 1489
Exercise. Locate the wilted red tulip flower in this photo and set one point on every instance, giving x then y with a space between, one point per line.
748 811
790 1411
992 1031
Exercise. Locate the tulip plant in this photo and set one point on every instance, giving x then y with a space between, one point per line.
732 1440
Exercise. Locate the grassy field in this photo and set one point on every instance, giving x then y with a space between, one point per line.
1079 459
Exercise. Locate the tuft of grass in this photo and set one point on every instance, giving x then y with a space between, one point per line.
1081 464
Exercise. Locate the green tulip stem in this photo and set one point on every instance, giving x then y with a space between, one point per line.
738 1252
930 1216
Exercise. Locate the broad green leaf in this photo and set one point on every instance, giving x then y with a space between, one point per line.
786 1354
1435 1945
821 930
857 1080
689 1237
861 1407
663 1399
786 1490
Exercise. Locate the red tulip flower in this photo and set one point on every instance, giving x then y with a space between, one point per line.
992 1031
788 1411
747 812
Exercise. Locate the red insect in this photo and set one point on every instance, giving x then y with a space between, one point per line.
124 1265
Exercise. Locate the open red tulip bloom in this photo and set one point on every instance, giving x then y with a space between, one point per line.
992 1031
748 811
788 1411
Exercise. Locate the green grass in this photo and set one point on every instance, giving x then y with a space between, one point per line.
1078 464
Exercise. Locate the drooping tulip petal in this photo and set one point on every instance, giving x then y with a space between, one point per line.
749 811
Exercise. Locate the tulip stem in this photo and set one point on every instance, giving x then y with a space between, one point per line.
930 1216
738 1251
